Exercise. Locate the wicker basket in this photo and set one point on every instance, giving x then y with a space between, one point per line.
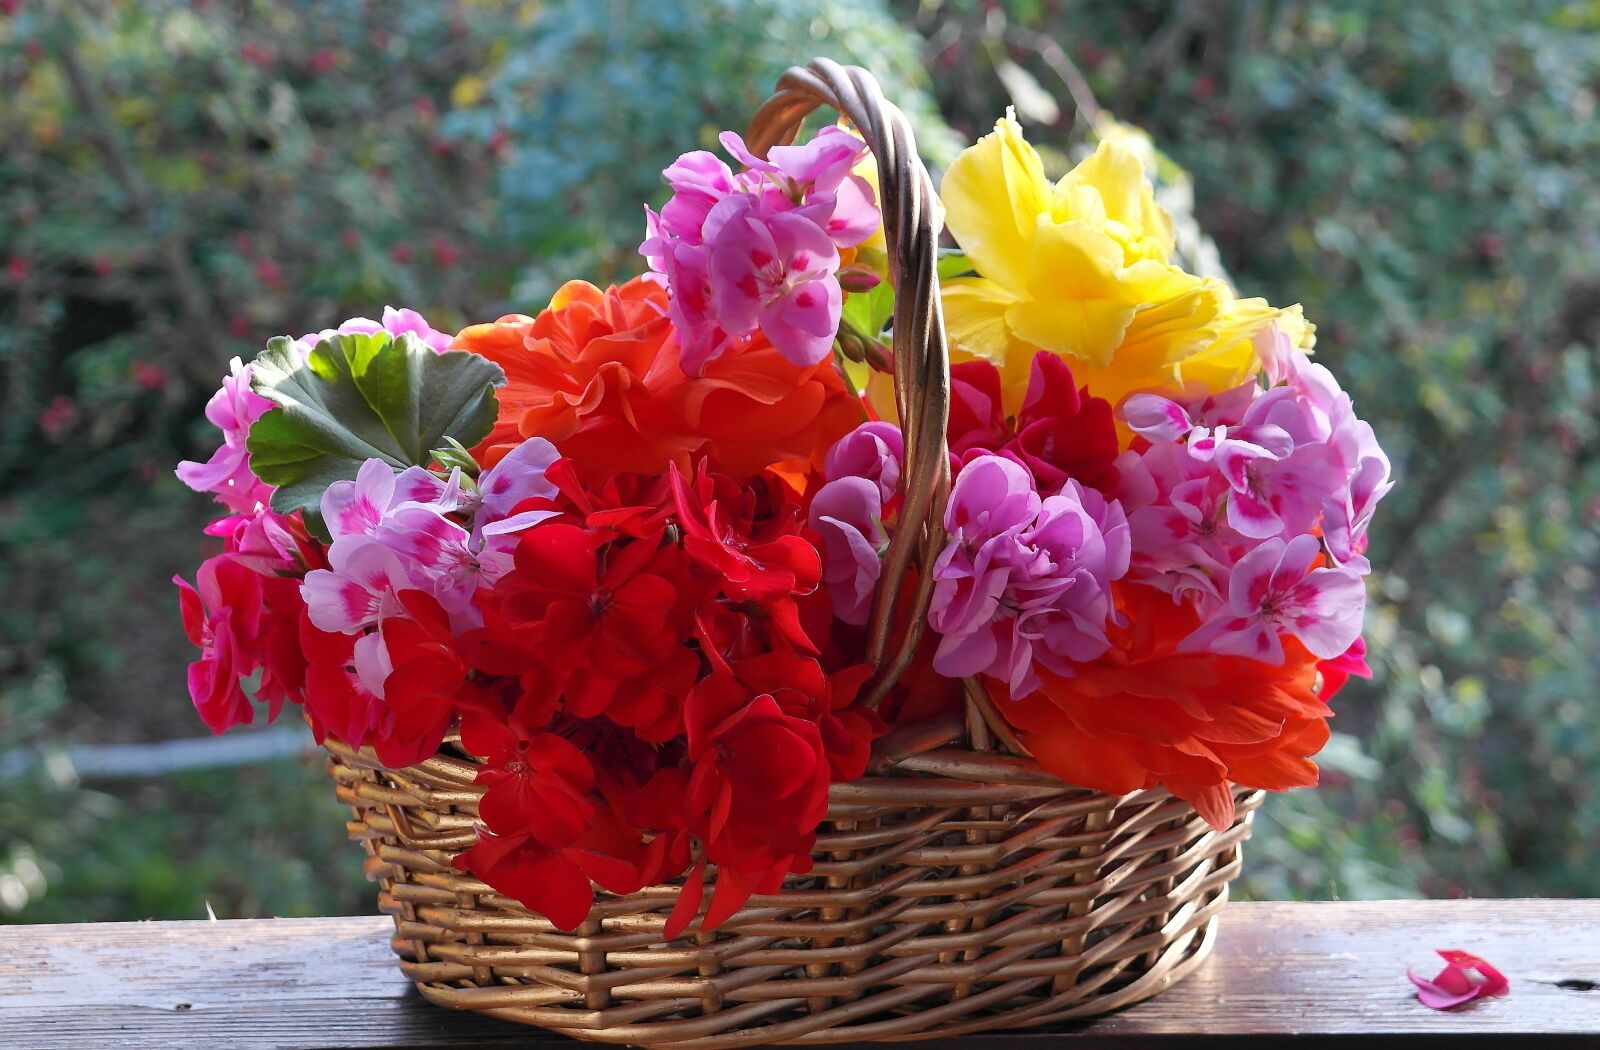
957 887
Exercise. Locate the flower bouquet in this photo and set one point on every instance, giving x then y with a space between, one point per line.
708 660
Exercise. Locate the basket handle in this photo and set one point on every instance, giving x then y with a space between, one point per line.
912 220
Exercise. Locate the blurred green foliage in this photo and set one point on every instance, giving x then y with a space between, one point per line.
182 180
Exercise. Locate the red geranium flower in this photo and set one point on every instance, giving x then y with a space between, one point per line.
537 783
419 692
242 622
556 881
1059 432
757 556
591 597
221 617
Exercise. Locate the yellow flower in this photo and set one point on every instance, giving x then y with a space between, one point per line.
1080 268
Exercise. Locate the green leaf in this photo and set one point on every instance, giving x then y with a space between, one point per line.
953 264
360 397
868 312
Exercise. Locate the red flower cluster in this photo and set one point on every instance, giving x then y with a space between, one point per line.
650 693
1060 431
242 617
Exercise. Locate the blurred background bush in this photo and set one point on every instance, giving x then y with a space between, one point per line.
181 180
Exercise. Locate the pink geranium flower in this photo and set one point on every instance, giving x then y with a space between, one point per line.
778 272
1024 579
358 589
1275 589
227 473
759 249
847 513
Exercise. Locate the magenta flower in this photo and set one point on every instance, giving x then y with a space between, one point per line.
221 617
847 513
1465 977
779 272
1275 589
227 473
260 541
759 249
1024 580
874 451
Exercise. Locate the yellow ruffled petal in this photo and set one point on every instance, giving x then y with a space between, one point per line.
975 317
993 195
1114 176
1087 329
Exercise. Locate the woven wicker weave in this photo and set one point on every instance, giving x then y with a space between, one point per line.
958 887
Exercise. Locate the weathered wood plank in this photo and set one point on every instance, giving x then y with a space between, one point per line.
1328 971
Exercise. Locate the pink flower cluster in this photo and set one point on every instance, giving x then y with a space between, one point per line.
862 477
243 597
1254 504
394 533
1025 578
760 249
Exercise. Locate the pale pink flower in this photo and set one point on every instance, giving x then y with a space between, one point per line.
358 589
1275 589
395 322
227 473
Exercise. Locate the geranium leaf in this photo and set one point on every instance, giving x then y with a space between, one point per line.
359 397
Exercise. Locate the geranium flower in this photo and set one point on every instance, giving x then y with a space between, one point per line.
359 587
423 675
337 700
847 515
598 374
760 249
761 560
1276 589
536 783
267 542
761 780
395 322
590 600
1023 579
778 272
558 882
874 451
1059 431
221 617
227 473
1352 663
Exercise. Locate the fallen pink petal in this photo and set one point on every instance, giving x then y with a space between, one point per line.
1465 977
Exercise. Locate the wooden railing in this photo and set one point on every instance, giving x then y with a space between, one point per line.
1330 972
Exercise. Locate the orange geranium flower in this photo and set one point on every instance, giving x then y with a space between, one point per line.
597 373
1146 715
